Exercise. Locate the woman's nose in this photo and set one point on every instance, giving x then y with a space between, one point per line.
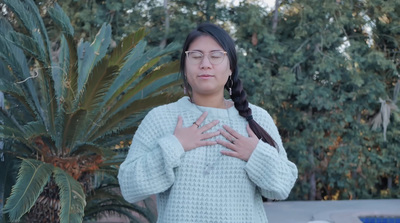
205 62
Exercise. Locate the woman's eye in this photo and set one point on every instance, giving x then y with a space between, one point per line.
217 55
197 56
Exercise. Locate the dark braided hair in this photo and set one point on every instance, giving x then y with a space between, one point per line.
238 96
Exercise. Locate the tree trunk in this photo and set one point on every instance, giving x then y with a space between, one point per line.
313 187
275 18
389 183
164 41
47 206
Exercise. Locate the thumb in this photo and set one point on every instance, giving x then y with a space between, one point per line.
180 122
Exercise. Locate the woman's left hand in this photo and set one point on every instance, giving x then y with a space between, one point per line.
241 146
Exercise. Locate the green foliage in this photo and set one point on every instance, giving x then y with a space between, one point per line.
32 177
321 74
321 79
67 110
72 196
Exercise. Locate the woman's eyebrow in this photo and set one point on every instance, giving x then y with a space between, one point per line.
203 51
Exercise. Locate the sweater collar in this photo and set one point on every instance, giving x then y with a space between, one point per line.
185 103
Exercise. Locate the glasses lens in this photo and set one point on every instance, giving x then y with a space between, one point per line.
195 57
216 57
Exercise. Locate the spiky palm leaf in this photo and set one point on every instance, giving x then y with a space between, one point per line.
115 204
32 177
67 113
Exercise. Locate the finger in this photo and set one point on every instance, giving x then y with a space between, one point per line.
210 135
180 122
209 125
250 131
207 143
201 118
226 144
226 135
232 131
230 153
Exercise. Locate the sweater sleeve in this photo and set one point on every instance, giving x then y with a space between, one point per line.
268 167
149 166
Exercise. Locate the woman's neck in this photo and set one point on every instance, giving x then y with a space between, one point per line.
210 101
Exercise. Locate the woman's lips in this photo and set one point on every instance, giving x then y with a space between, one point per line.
206 76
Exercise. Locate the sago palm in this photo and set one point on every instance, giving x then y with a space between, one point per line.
66 113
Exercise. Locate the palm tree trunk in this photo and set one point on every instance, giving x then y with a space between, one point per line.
47 206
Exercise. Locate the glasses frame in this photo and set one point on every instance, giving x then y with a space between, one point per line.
204 54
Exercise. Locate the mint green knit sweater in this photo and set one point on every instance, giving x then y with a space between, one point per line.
202 185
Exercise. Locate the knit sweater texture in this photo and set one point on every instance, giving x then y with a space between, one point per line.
202 185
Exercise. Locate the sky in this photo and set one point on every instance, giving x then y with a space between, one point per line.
268 3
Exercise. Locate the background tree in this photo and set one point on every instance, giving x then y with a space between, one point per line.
321 78
320 73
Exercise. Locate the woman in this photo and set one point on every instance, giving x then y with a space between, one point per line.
205 157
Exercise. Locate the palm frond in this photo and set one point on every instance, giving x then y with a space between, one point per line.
11 133
137 63
18 149
156 74
34 129
62 89
38 45
35 45
139 105
71 80
99 81
10 88
29 15
72 197
6 83
15 60
61 20
29 45
49 106
71 124
63 86
32 177
60 71
130 66
122 50
124 133
97 212
91 53
114 204
91 148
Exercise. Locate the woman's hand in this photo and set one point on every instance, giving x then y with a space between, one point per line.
193 136
241 146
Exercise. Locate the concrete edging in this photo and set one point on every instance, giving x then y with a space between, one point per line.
347 211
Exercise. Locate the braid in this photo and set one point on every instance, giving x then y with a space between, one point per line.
239 98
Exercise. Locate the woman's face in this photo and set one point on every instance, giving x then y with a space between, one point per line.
204 71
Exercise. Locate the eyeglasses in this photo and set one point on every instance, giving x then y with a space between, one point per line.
215 57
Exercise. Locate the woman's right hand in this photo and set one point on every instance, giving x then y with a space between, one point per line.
193 136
